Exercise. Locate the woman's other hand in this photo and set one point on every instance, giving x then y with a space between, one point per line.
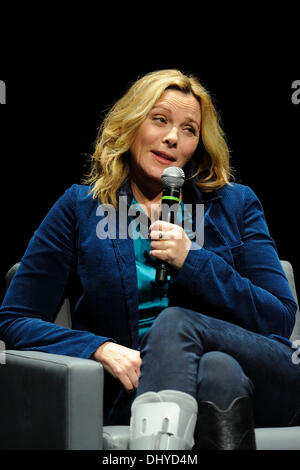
122 363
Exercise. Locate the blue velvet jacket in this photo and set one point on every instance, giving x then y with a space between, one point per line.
236 275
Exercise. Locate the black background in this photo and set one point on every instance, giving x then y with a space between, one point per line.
57 94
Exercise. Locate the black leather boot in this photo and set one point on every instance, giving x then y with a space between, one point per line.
231 429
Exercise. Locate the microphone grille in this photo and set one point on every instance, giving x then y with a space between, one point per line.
173 177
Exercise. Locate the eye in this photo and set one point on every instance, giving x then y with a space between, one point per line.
190 130
159 119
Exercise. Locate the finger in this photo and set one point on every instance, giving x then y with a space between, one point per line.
160 254
161 225
160 235
130 379
161 245
126 382
129 374
134 378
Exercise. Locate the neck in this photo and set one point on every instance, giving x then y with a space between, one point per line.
150 198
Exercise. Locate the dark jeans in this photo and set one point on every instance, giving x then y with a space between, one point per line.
218 361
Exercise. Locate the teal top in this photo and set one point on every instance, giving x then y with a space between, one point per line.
152 298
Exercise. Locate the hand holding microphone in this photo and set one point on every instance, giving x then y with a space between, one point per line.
169 244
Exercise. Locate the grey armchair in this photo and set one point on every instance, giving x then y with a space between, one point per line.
55 402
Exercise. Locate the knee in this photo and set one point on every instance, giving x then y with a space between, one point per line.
222 373
219 364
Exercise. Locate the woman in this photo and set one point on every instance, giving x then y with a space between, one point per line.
209 347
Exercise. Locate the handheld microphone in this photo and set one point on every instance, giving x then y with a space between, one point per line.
172 180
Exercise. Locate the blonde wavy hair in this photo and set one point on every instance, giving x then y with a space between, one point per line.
110 162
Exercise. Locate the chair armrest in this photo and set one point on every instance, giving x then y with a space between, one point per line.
282 438
49 401
116 437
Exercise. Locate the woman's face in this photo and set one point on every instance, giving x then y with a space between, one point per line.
168 137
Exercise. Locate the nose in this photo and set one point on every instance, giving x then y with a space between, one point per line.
171 138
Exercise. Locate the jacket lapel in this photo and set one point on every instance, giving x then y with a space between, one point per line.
124 251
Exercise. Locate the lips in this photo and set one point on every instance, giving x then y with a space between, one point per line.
163 156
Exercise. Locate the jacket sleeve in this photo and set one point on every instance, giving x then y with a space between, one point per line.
258 296
32 299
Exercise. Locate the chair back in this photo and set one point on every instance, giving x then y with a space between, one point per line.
288 269
63 314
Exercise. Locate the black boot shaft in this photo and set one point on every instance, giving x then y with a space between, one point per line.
230 429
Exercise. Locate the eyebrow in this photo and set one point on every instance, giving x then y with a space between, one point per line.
166 108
